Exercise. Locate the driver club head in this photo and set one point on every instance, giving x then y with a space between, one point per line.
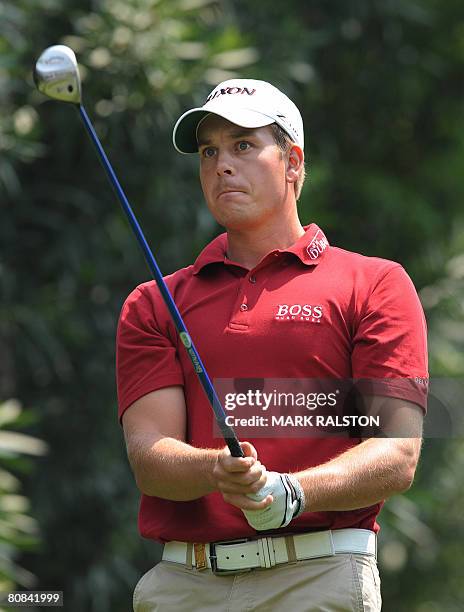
57 76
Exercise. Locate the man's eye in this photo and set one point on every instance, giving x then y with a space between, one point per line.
243 145
208 152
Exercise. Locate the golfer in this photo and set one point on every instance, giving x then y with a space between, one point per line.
292 525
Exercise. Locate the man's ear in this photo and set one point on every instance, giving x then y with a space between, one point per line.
294 164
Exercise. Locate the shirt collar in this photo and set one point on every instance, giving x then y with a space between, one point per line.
309 249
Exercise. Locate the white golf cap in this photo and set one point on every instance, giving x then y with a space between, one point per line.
245 102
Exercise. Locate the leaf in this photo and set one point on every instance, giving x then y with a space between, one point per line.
17 443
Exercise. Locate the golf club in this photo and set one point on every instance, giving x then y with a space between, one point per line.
56 75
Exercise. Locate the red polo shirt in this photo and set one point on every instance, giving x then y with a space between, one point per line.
309 311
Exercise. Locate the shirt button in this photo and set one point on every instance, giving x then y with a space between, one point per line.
243 307
252 279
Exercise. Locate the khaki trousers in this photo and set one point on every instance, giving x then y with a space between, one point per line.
340 583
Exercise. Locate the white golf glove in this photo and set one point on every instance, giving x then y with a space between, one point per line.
289 502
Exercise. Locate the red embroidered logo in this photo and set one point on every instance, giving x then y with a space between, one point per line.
317 245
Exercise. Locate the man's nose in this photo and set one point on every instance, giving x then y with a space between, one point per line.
224 164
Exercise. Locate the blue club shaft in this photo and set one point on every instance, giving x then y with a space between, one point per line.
227 431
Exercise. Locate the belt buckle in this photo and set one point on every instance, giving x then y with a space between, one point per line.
213 558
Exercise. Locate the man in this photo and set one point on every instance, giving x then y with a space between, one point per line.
303 509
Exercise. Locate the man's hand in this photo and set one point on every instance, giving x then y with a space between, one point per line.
238 477
288 502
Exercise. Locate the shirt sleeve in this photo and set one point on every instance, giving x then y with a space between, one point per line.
146 356
389 356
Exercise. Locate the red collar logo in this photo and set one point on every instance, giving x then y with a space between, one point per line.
317 245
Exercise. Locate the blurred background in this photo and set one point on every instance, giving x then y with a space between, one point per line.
380 85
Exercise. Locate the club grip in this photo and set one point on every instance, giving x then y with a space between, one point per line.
230 438
234 447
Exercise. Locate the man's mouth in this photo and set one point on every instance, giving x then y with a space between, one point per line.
230 191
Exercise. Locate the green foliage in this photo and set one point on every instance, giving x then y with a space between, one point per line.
380 88
18 530
444 302
421 540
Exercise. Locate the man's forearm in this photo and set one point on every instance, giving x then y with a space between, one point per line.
362 476
172 469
